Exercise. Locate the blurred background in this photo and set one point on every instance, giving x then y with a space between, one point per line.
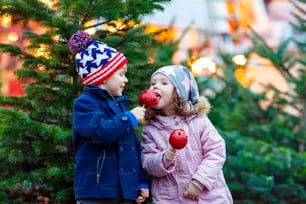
212 26
248 57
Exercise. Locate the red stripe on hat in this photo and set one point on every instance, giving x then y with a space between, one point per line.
110 72
108 69
105 71
105 76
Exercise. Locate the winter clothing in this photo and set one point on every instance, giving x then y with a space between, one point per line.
182 80
200 162
77 41
95 61
107 151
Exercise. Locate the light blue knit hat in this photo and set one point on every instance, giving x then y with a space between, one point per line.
183 81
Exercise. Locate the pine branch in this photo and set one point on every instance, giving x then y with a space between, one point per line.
263 49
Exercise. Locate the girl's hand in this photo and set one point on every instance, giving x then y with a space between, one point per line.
143 195
170 154
192 192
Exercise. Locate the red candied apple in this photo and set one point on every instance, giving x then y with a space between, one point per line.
178 139
148 98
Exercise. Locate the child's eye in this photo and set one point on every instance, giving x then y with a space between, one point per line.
153 83
165 83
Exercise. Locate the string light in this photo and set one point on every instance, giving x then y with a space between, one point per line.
115 25
12 36
6 20
240 59
203 66
43 51
49 3
245 74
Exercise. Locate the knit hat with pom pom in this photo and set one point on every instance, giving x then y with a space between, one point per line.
95 61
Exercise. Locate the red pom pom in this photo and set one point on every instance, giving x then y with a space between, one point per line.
77 41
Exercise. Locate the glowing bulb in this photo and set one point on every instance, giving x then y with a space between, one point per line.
12 36
212 68
43 51
48 3
202 62
239 60
91 31
6 21
203 65
196 70
112 29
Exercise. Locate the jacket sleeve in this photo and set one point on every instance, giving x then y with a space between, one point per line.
214 155
152 156
94 121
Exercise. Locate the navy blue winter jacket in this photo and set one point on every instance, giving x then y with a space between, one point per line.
107 153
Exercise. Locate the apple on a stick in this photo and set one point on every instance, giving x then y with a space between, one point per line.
148 98
178 139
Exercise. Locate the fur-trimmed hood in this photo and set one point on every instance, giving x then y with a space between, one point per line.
202 107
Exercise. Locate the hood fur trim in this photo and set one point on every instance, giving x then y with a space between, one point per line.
202 107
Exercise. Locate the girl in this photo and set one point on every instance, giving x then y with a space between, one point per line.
194 173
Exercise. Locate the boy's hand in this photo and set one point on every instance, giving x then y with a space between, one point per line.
139 113
143 195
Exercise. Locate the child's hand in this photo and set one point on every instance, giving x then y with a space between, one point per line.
139 113
170 154
143 195
192 192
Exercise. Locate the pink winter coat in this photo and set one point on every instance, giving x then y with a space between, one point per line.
200 162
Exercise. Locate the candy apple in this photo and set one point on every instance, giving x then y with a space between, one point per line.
148 98
178 139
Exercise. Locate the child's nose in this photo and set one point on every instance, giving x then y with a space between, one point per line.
153 87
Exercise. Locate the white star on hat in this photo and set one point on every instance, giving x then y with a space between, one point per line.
101 47
99 58
82 71
85 59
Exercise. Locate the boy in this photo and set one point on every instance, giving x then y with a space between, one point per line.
107 154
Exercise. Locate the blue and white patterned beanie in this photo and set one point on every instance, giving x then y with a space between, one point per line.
95 61
183 81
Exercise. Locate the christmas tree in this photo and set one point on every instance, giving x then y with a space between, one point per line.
265 133
36 156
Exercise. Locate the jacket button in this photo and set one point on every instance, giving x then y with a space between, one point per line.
134 170
121 149
124 118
